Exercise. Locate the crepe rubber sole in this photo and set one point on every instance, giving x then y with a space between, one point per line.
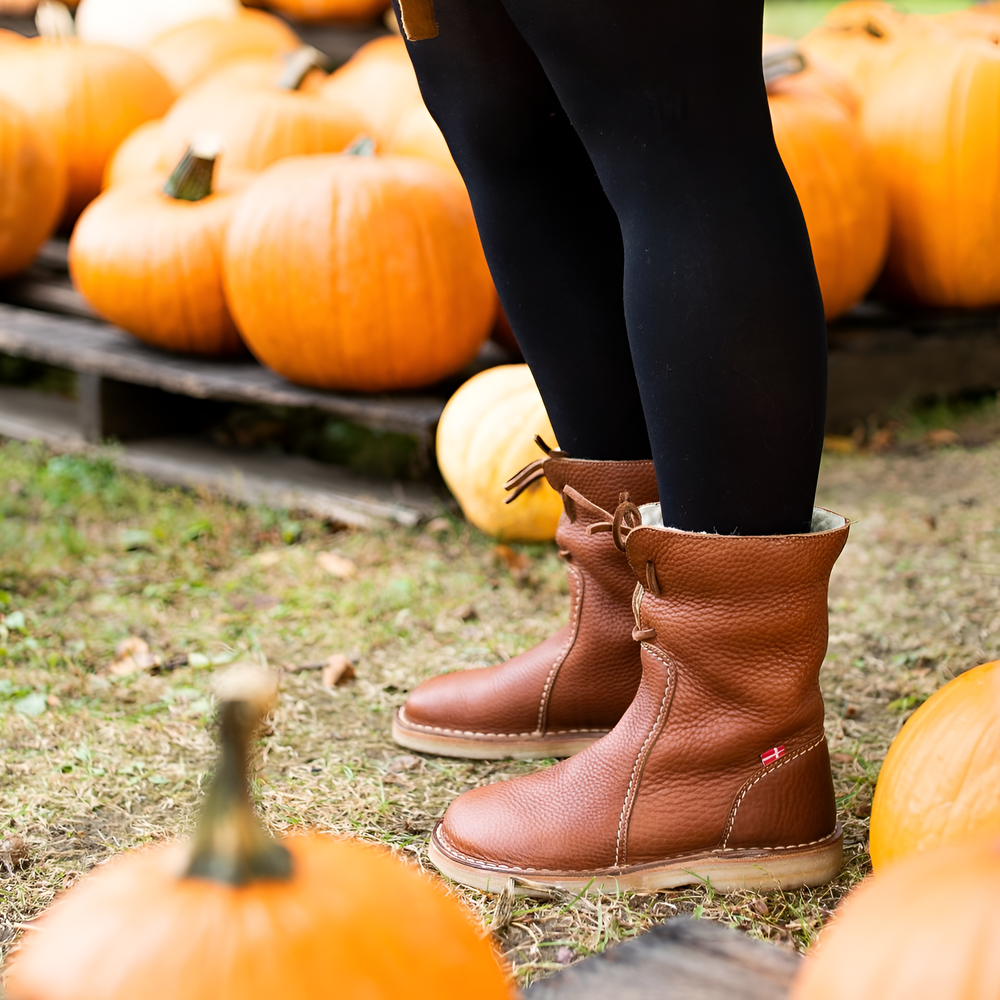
486 747
727 871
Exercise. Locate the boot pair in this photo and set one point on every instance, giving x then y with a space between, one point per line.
686 687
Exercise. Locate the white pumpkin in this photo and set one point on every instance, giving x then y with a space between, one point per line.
486 435
135 23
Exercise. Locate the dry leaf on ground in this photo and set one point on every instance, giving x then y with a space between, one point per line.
132 655
338 671
336 565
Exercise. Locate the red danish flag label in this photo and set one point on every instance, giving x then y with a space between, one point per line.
772 755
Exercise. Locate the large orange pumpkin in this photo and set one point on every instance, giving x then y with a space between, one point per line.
151 262
486 435
838 184
934 125
941 778
417 134
257 124
237 915
927 929
358 272
379 84
32 188
89 97
190 52
331 10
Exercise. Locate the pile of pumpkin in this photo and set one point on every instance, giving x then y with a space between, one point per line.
249 195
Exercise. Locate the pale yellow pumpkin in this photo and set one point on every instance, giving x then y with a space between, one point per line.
485 436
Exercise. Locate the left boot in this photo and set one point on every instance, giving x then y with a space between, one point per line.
719 770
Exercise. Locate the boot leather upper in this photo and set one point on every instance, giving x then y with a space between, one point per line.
582 678
733 632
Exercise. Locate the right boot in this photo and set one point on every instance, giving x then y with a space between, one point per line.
570 690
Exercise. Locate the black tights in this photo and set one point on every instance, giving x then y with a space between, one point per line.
646 242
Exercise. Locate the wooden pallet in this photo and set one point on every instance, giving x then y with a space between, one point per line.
682 959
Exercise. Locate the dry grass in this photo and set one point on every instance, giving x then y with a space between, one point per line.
93 764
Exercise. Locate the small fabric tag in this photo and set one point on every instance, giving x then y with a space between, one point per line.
772 755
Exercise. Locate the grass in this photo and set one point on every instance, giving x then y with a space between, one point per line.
93 764
796 18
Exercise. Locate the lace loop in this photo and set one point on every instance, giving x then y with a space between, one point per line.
626 518
532 472
652 583
643 634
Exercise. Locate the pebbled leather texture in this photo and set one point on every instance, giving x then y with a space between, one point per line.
581 679
731 656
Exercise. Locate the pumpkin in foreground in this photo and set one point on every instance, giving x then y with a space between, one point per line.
927 929
149 258
940 781
237 915
358 272
486 435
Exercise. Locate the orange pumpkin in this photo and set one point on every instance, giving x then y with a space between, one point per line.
358 272
89 97
941 778
838 184
32 188
150 261
860 38
188 53
237 914
927 929
379 84
417 134
934 126
258 124
486 435
331 10
138 156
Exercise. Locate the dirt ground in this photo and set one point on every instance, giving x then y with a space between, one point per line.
94 763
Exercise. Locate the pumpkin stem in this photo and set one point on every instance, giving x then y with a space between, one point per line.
300 63
782 62
54 20
230 845
192 177
362 145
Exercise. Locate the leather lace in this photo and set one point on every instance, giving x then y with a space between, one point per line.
532 472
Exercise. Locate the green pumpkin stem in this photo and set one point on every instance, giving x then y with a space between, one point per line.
192 177
362 145
300 63
782 62
230 845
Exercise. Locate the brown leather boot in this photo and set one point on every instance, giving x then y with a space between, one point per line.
570 690
719 770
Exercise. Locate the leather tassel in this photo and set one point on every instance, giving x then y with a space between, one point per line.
418 19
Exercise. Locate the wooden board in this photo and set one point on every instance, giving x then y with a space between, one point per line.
283 481
682 959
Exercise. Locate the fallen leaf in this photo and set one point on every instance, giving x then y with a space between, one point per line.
53 701
269 558
466 612
132 655
842 758
881 441
517 562
840 444
437 525
14 853
405 762
338 671
941 438
336 565
760 906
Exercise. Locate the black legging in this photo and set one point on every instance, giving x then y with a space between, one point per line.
646 242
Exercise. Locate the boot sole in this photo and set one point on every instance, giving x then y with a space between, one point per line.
727 871
491 747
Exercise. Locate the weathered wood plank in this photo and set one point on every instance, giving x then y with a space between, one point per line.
682 959
100 349
283 481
